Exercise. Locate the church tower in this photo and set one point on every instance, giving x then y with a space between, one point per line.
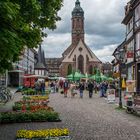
78 56
77 24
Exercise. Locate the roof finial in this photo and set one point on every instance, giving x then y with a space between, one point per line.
77 3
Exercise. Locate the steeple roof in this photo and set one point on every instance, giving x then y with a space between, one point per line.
77 11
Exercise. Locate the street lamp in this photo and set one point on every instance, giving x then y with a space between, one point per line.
73 72
119 55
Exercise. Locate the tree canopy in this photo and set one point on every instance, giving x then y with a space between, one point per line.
22 23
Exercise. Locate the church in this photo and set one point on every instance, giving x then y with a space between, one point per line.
78 56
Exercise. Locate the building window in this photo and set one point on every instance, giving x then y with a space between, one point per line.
138 44
137 16
91 69
81 63
130 73
129 29
69 69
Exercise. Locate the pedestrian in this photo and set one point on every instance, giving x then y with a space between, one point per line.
73 90
56 86
37 87
103 89
61 83
81 89
90 89
43 87
65 86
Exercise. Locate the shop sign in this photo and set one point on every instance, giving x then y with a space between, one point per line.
111 95
131 86
130 54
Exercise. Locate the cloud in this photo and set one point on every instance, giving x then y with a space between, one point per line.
103 28
55 44
105 53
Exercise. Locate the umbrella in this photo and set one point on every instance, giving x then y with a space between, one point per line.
103 77
70 76
54 78
35 76
78 76
96 78
110 79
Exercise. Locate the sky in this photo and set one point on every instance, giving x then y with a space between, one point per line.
103 28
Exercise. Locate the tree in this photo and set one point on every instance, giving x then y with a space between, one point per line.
22 23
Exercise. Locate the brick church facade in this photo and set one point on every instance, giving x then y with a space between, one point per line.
78 56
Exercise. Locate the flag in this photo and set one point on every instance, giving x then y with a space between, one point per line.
123 83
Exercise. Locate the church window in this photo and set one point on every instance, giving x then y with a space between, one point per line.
90 69
81 63
69 69
87 58
80 49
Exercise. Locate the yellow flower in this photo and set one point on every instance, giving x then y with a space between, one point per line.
42 133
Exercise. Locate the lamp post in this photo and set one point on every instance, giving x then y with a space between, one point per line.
119 55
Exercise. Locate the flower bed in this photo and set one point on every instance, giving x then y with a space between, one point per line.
30 91
40 115
32 104
30 109
48 134
37 97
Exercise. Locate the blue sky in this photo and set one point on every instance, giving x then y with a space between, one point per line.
103 28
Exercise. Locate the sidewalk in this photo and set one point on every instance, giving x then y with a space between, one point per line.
123 100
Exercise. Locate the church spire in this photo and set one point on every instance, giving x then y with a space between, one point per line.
77 3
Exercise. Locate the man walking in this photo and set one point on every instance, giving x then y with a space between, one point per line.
81 89
90 89
66 86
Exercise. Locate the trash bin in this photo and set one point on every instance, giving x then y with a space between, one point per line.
129 104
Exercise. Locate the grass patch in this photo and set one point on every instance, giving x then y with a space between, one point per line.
119 108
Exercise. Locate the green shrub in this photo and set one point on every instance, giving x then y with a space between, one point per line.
41 115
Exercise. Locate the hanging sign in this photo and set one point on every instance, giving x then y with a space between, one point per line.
130 54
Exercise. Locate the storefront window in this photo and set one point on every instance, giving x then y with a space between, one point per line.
138 43
130 74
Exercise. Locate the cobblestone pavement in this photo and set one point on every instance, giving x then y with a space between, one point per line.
87 119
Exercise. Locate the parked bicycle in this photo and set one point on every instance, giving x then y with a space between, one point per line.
5 94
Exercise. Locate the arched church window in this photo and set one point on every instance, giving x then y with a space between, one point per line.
87 58
81 63
69 69
95 69
91 69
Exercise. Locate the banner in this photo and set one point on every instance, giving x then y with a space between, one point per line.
131 86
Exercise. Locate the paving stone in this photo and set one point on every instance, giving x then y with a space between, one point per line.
87 119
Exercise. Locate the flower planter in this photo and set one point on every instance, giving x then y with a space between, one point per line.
47 134
48 138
